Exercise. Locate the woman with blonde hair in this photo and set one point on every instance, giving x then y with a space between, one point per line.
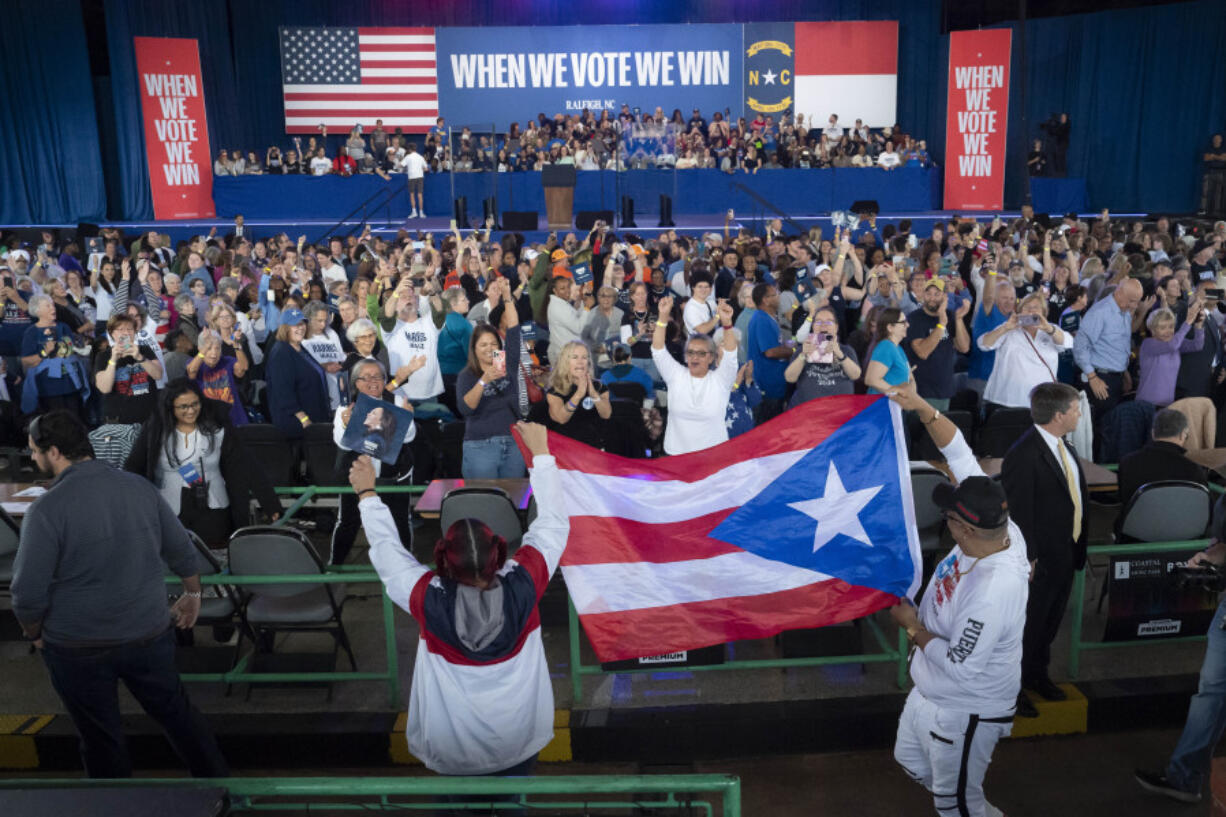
579 408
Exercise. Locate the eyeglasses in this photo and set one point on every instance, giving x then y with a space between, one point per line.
193 406
696 353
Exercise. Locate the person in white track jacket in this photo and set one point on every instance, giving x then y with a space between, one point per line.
481 701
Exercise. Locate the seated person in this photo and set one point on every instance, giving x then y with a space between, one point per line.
1162 458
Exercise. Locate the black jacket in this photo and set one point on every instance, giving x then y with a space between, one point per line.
1040 504
1157 461
244 479
1196 369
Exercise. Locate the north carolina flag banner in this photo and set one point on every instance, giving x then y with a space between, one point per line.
803 522
848 68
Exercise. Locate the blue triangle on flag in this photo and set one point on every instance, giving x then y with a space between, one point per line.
843 498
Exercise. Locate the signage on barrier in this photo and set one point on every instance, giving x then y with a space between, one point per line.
976 119
1145 601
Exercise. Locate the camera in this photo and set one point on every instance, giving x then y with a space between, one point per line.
1209 578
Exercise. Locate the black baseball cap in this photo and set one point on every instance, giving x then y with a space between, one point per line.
978 500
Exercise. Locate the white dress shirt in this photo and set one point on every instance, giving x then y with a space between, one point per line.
1052 443
1018 368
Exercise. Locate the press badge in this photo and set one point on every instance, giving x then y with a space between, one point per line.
195 481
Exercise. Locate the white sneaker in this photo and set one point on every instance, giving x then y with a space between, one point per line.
422 214
413 214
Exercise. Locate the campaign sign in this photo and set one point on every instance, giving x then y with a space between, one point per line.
977 118
377 429
176 128
499 75
1145 601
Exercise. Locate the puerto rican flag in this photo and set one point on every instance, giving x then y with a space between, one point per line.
803 522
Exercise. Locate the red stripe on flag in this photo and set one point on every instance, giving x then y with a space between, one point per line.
368 113
799 429
395 47
399 80
391 32
658 630
847 48
610 539
424 62
356 96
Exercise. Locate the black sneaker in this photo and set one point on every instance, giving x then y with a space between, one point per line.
1157 783
1025 708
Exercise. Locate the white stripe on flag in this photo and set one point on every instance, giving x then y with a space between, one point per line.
871 97
360 105
387 56
608 588
395 39
365 118
674 501
398 72
345 90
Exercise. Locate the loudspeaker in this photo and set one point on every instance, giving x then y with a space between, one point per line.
628 212
459 211
525 220
489 209
666 211
585 220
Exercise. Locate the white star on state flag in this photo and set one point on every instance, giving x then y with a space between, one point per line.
769 77
837 511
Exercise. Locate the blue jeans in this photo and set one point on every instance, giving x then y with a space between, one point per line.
492 458
87 680
1206 714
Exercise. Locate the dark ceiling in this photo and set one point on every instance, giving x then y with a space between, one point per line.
964 14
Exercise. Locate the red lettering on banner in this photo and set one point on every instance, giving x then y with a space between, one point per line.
976 119
176 128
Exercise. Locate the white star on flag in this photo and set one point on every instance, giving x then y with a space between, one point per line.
769 77
837 511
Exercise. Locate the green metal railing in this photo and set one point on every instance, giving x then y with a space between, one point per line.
253 794
888 654
307 494
239 673
1077 644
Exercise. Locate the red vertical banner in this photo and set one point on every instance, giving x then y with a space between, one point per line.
176 128
977 119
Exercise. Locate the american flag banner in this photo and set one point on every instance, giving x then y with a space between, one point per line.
346 76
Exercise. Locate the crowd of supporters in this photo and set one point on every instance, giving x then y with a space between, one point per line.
642 346
626 140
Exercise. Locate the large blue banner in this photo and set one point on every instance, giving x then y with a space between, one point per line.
500 75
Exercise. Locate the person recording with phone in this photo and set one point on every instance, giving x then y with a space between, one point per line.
1027 351
490 393
823 367
127 377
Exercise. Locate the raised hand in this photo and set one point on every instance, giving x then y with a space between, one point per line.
665 306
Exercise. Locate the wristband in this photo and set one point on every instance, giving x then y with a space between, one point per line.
571 406
936 416
991 275
940 326
362 494
662 324
392 384
304 421
726 325
191 595
481 382
110 363
199 357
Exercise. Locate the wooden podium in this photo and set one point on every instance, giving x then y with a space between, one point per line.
559 184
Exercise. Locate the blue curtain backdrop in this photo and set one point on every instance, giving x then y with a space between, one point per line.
1144 91
48 134
1142 86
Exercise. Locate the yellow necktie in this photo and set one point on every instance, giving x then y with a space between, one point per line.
1071 478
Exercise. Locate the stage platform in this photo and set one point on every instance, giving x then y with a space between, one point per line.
438 224
654 717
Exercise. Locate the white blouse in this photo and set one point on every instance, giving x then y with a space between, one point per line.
1019 366
197 449
696 405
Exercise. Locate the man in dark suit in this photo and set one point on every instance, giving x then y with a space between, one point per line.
1164 457
1048 498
